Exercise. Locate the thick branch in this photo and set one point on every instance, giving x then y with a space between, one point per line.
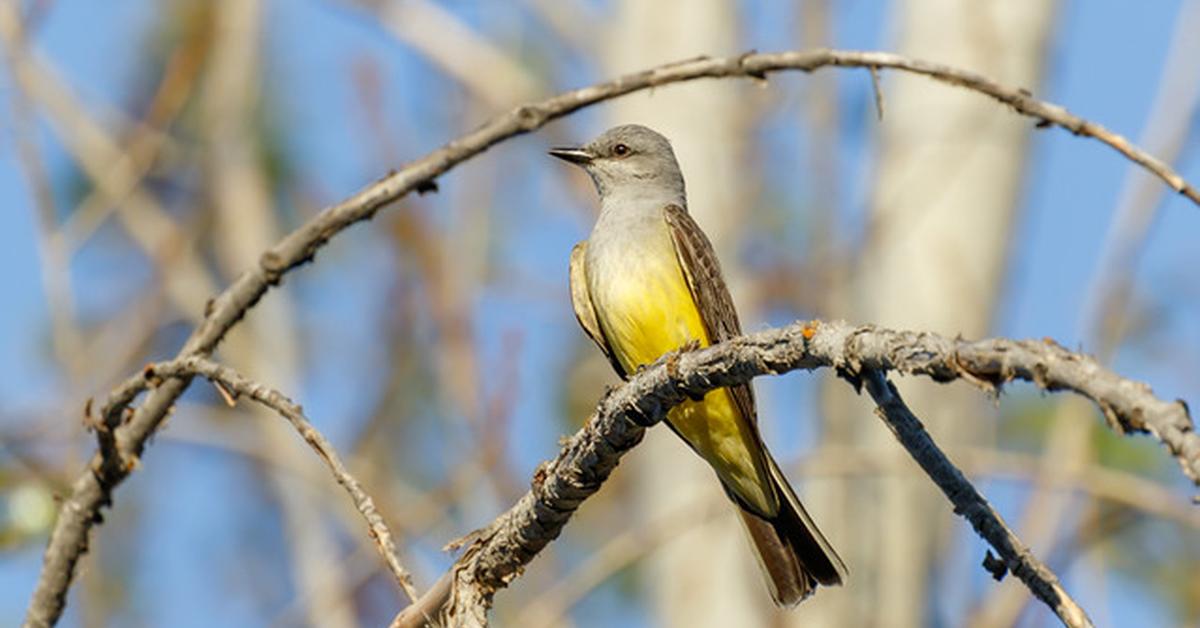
496 554
93 489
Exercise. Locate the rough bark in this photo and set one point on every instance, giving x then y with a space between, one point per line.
496 555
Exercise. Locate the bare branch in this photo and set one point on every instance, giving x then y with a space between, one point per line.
496 554
1016 556
429 605
92 490
1121 488
878 90
236 385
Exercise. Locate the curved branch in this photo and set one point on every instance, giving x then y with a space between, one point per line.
230 382
92 490
495 555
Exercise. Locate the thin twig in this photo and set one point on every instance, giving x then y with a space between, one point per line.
92 491
878 90
1016 556
1121 488
225 378
427 606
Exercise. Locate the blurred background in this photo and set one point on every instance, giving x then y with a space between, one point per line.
150 150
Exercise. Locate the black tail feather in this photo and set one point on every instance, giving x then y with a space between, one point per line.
794 555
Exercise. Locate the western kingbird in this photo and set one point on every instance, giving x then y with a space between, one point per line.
647 282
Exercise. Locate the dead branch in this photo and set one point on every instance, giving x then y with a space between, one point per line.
233 385
1016 557
495 555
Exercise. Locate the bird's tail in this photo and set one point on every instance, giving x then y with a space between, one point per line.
793 554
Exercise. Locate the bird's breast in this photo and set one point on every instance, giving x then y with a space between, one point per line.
645 309
641 298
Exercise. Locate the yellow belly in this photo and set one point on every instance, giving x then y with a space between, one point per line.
648 312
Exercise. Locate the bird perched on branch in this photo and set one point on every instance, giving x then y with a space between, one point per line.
647 282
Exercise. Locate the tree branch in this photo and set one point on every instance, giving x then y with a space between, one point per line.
92 490
1124 490
230 382
1017 557
496 554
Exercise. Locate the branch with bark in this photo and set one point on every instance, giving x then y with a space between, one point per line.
1015 556
124 436
495 555
232 385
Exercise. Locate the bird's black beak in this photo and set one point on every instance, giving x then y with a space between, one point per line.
573 155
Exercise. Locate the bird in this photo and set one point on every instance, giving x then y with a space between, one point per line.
646 282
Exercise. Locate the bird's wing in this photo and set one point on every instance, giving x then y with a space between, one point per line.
581 301
703 274
792 552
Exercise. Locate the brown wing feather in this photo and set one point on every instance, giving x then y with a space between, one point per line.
581 301
791 550
793 553
702 271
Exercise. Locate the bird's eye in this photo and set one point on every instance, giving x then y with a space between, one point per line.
620 150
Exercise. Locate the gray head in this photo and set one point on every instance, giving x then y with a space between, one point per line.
629 159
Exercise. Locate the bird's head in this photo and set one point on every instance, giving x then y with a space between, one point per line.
627 157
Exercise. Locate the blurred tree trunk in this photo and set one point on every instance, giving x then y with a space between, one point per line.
706 576
947 188
1047 520
265 346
